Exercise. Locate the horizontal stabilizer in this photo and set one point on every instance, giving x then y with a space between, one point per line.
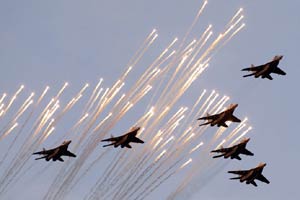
108 145
218 156
248 75
234 178
204 124
41 158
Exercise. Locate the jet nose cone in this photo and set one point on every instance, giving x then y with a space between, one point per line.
262 165
67 142
233 105
245 140
278 57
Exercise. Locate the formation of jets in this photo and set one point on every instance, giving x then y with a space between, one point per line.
220 119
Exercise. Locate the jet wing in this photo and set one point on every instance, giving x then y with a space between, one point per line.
262 178
209 117
278 71
239 172
112 139
222 150
44 152
254 69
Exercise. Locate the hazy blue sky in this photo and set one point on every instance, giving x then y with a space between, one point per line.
49 42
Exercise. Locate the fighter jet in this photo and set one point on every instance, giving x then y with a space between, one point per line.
265 70
250 175
221 118
234 151
125 139
56 153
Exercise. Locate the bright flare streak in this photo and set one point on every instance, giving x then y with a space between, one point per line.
222 105
235 16
235 32
100 124
84 88
159 133
188 47
174 41
214 109
232 26
49 132
115 92
50 124
170 139
20 90
238 128
14 98
238 21
187 139
3 97
242 135
160 155
157 143
186 163
94 100
195 20
118 102
126 73
211 102
188 130
235 131
154 38
9 130
61 90
220 131
55 107
83 118
23 110
221 143
43 94
196 147
153 31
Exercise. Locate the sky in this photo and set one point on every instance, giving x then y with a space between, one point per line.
50 42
